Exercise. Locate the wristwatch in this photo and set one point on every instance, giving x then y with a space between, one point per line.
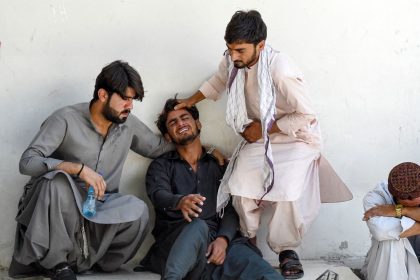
398 210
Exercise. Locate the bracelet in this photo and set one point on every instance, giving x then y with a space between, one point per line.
80 171
398 210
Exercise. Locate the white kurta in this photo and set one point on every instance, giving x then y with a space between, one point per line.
295 151
390 257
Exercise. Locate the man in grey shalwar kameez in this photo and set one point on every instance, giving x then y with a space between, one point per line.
79 146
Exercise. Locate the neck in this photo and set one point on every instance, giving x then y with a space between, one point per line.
191 152
100 122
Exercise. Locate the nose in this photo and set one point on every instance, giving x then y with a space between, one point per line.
129 104
234 55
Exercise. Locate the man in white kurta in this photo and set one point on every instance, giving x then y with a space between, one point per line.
277 164
391 255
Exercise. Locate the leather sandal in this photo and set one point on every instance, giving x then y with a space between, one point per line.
289 262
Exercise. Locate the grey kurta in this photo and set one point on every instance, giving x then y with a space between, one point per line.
49 219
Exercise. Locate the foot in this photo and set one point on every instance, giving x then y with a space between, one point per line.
63 271
290 265
18 270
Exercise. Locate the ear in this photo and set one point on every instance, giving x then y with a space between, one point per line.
168 138
102 95
261 45
198 124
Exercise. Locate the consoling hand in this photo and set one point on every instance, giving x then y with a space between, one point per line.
188 206
216 252
386 210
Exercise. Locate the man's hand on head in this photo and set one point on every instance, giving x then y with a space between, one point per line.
386 210
189 206
216 252
252 132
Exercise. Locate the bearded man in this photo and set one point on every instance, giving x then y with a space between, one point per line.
79 146
192 241
277 162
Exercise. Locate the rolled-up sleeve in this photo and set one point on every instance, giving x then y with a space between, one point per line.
36 159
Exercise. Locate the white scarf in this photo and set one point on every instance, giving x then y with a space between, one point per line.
237 118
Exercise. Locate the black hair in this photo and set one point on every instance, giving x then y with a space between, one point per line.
116 77
246 27
169 107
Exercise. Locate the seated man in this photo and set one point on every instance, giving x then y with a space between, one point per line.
192 241
78 146
393 217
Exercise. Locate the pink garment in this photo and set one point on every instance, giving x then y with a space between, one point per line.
294 150
296 194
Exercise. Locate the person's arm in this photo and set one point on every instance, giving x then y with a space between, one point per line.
158 186
289 83
190 101
147 143
228 227
159 190
253 131
383 227
36 160
413 230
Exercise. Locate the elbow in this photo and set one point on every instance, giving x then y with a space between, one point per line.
23 167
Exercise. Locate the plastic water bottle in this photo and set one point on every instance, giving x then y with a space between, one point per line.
89 206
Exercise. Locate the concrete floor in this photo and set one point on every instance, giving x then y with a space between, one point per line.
313 269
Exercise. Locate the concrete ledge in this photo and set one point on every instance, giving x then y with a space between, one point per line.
313 269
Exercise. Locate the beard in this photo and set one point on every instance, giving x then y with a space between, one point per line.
240 64
187 139
114 116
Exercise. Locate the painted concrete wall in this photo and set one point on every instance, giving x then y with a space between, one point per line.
361 60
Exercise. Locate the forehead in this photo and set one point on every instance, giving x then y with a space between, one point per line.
238 46
130 92
177 114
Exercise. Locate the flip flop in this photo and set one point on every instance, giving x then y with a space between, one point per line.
289 262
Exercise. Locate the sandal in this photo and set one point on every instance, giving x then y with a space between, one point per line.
290 265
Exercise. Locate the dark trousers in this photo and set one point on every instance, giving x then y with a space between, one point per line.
415 242
187 257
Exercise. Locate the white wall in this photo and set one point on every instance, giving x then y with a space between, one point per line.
361 60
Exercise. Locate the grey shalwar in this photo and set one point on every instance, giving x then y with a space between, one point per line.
50 226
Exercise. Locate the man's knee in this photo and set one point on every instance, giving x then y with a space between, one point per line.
199 227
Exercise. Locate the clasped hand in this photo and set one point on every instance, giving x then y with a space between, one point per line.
252 132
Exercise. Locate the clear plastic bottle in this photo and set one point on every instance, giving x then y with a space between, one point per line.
89 206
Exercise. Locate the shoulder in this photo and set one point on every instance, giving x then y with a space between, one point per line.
282 66
76 110
164 160
378 195
68 113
